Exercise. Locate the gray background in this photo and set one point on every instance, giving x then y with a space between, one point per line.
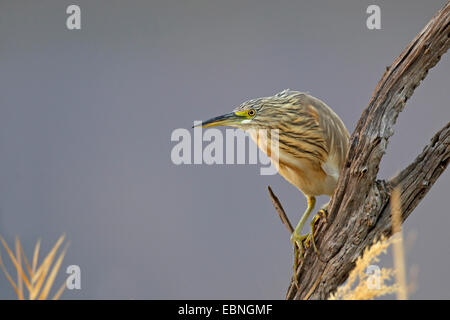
86 118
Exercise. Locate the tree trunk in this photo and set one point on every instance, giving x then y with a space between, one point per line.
359 210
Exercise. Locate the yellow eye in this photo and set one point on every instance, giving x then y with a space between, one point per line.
251 112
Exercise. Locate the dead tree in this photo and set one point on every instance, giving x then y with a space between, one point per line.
359 210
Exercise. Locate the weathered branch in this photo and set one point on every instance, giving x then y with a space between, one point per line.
359 210
279 208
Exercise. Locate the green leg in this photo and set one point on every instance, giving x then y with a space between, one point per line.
296 238
321 214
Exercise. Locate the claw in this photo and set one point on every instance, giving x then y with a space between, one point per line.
322 214
299 242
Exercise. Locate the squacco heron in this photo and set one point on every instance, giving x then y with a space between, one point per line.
312 143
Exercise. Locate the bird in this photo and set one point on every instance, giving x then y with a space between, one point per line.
312 145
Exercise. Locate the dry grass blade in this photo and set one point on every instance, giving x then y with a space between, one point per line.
11 281
52 275
357 285
25 260
42 271
35 257
16 265
399 254
354 289
19 277
41 278
48 258
59 292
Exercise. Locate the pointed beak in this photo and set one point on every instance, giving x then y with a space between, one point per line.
228 119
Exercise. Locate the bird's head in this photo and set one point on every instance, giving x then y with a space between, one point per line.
242 117
255 113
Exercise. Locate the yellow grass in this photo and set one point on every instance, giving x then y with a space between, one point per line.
38 280
390 280
357 286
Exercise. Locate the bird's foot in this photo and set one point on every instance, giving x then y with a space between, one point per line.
322 214
302 242
299 243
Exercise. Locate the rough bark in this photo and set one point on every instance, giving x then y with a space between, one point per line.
359 210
